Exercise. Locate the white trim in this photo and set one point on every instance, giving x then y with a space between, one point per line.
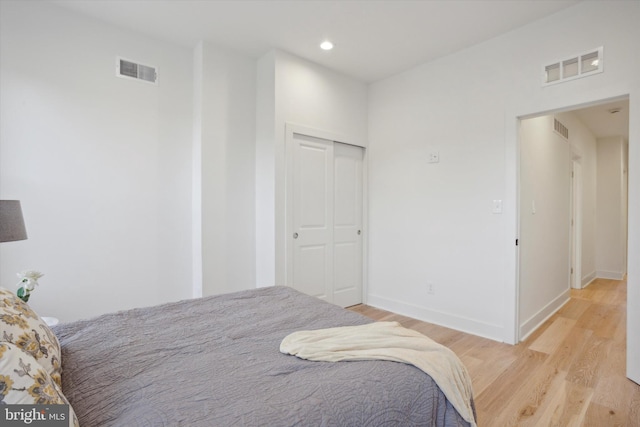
535 321
614 275
576 228
512 224
633 234
588 279
463 324
365 225
291 128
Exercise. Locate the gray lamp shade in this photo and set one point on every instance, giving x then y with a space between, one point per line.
11 222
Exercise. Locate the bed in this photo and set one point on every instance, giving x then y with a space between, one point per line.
215 361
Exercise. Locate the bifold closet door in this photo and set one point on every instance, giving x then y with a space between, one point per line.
326 225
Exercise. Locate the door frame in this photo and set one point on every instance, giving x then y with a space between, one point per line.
290 130
514 114
576 218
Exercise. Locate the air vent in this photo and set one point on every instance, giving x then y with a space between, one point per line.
560 129
574 67
131 70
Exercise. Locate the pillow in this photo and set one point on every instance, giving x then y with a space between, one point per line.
24 381
22 327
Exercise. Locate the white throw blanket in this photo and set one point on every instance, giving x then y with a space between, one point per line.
388 341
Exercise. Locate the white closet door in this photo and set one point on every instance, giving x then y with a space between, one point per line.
312 234
347 225
324 230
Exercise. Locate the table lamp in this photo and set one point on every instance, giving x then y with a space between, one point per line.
11 221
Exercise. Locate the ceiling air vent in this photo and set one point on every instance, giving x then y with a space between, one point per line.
131 70
573 67
560 129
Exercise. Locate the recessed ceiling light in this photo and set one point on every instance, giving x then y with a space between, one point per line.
326 45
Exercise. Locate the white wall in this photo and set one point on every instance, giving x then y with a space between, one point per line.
612 209
583 145
101 164
305 94
625 206
545 214
224 179
433 222
265 171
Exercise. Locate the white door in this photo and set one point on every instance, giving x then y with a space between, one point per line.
325 228
312 233
347 225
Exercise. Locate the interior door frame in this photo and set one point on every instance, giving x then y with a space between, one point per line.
576 218
290 130
514 114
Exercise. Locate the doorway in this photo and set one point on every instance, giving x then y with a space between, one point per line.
572 205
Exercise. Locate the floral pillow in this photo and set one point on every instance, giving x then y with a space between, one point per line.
24 381
22 327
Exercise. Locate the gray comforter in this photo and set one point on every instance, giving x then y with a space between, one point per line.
215 362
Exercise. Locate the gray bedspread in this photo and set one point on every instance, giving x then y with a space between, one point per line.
215 361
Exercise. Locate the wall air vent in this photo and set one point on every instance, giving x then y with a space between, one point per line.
573 67
131 70
560 129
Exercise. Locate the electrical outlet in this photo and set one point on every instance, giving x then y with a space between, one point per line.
431 288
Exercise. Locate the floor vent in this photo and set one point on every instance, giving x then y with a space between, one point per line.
560 129
574 67
131 70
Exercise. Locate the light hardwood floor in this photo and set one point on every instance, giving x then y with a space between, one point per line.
569 372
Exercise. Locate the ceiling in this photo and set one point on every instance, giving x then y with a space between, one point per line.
373 39
609 119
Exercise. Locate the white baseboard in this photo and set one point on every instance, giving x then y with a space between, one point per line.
463 324
588 279
614 275
541 316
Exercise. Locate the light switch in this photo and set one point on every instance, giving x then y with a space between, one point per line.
497 207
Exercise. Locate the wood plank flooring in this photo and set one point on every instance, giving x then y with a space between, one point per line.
569 372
